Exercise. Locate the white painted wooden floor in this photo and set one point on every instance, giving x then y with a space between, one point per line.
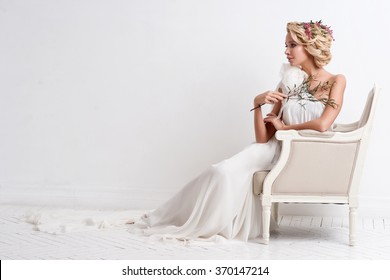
298 238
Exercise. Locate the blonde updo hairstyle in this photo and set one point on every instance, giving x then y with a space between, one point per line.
319 43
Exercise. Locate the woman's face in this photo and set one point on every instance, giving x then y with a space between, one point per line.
296 53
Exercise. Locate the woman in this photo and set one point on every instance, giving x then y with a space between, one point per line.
219 203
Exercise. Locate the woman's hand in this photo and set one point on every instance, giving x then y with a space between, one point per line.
269 97
263 130
276 122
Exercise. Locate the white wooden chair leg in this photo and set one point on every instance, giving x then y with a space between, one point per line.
352 226
275 211
266 223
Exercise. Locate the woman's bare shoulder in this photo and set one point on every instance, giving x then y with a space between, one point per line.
339 78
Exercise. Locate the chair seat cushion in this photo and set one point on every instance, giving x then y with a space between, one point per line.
258 179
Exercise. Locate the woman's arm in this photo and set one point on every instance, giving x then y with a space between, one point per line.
327 118
264 131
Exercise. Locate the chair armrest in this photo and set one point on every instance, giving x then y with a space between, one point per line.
315 136
315 133
293 134
341 127
294 149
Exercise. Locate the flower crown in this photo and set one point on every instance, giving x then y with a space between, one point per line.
311 32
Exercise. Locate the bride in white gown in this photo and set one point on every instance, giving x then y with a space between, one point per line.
219 203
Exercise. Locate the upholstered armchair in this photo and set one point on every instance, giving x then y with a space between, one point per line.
317 167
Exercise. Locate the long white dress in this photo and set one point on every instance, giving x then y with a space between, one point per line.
219 203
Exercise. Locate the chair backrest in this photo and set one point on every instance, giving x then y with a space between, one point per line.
367 116
365 123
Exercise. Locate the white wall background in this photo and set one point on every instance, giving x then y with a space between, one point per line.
118 103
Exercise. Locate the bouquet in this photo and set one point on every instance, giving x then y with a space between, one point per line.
303 92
